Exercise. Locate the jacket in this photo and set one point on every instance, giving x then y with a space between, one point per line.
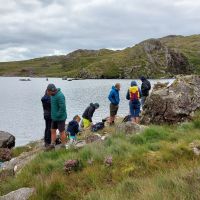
58 107
88 113
46 103
145 87
128 97
73 128
114 96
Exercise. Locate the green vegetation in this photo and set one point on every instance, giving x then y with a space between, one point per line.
128 63
156 164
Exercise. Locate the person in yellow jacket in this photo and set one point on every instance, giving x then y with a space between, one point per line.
134 95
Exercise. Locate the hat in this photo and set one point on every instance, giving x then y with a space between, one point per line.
51 87
96 105
133 83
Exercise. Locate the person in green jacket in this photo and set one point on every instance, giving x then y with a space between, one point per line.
58 113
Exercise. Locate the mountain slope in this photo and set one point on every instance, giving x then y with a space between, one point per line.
164 57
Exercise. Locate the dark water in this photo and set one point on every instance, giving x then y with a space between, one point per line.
21 111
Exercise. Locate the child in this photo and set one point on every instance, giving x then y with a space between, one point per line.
73 128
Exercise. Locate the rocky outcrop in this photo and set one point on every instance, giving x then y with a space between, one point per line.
174 103
6 140
130 128
71 165
20 194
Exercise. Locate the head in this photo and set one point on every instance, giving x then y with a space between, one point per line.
142 78
133 83
117 86
51 89
96 105
77 118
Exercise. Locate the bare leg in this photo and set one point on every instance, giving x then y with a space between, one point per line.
137 120
112 119
53 136
63 137
133 120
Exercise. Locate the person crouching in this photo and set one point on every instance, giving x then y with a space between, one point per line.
73 128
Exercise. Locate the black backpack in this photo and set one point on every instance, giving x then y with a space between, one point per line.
98 126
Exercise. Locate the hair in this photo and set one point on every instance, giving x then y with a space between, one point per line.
76 117
117 85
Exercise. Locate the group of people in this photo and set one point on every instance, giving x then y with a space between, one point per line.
55 113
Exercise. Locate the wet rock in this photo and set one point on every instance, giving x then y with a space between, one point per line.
71 165
130 128
108 161
174 103
20 194
5 154
6 140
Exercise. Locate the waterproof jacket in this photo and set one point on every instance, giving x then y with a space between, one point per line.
58 107
46 103
145 87
73 128
134 100
88 113
114 96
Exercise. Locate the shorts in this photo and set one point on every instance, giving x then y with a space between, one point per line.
86 123
60 125
134 109
113 109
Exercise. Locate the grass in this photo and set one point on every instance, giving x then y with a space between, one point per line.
156 164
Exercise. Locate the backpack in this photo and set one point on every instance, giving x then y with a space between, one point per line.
134 93
98 126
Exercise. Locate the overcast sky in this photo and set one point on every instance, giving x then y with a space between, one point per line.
35 28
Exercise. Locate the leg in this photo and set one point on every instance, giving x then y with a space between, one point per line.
63 137
47 138
61 128
53 136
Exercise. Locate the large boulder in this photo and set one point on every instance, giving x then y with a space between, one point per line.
174 103
6 140
5 154
22 194
130 128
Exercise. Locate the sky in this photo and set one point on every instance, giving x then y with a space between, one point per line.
36 28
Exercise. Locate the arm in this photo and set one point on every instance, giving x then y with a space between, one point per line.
117 98
110 97
90 113
61 104
128 95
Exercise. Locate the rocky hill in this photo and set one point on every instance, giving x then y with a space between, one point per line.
155 58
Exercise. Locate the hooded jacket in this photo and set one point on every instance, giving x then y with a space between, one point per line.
46 103
133 85
73 128
145 87
58 107
89 111
114 96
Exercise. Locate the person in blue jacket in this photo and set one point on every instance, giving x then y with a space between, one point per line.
114 102
73 128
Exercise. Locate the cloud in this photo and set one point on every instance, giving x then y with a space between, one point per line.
37 28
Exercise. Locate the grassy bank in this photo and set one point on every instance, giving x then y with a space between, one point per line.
157 164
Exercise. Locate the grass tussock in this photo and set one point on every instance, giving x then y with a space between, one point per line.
156 164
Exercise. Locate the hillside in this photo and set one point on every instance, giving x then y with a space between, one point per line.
164 57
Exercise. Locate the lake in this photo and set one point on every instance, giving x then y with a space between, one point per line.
21 111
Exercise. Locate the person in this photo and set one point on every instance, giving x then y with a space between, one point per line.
114 102
58 113
46 103
133 95
145 88
88 114
73 128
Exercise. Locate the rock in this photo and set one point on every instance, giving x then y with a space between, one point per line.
5 154
71 165
195 146
20 194
174 103
6 140
93 138
160 85
130 128
108 161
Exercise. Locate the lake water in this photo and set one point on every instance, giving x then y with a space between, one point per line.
21 110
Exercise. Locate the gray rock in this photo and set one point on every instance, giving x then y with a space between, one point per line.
108 161
71 165
93 138
174 103
130 128
6 140
20 194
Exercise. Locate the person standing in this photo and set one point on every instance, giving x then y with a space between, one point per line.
58 113
133 95
88 114
114 102
46 103
145 88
